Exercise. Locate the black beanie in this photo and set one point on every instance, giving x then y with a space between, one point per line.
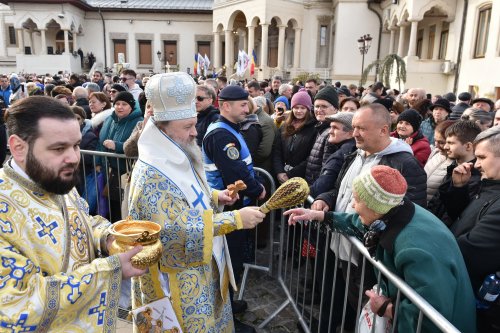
411 116
328 94
126 97
118 87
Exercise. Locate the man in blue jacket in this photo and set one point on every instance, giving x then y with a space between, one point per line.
5 90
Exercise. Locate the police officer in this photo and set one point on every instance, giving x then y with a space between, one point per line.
226 159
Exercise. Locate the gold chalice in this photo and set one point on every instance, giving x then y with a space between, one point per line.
291 193
130 233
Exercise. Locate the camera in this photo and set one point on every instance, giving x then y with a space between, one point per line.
280 109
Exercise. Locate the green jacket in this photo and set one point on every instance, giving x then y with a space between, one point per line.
118 130
419 248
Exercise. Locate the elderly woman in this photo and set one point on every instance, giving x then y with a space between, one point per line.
116 129
100 107
482 118
412 243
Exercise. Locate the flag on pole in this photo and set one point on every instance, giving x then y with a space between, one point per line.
195 67
246 61
207 64
252 63
239 67
201 64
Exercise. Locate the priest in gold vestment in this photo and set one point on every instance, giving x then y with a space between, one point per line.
53 273
169 187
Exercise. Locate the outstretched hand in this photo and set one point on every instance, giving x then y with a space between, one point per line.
302 214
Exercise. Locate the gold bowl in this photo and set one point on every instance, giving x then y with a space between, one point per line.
130 233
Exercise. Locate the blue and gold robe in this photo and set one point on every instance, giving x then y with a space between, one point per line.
188 270
49 277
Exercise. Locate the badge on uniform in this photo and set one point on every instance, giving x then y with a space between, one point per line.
231 151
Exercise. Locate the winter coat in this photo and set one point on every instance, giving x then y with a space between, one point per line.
331 167
204 119
269 135
457 110
251 131
420 146
398 156
435 168
118 130
292 151
477 231
442 200
84 104
320 152
427 127
419 249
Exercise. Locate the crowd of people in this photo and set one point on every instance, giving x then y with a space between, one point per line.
419 172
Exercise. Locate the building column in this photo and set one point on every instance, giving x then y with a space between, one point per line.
229 52
296 50
217 47
66 42
75 43
44 41
20 41
281 46
3 40
392 40
251 40
32 44
425 43
437 41
412 49
243 35
402 30
264 45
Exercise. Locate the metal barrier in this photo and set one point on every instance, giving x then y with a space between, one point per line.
104 158
294 269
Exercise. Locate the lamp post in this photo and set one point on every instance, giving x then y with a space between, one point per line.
364 43
162 61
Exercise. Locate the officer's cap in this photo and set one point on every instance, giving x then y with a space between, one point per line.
233 93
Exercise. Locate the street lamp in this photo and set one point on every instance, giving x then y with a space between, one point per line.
162 61
364 43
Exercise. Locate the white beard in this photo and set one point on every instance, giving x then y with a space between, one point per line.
194 153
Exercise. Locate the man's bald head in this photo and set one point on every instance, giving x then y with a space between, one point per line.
80 92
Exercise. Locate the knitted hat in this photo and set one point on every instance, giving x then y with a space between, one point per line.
126 97
381 188
302 98
328 94
442 102
172 96
282 99
345 118
118 87
411 116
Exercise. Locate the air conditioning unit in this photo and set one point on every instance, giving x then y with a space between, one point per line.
447 67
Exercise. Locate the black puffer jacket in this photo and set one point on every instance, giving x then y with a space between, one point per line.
320 152
437 205
292 151
204 119
402 161
331 167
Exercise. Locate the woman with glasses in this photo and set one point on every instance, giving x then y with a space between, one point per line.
411 243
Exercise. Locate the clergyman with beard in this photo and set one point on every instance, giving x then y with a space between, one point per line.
53 273
169 187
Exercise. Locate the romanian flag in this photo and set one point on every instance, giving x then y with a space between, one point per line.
195 70
252 64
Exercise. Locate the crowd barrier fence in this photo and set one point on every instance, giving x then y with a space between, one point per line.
302 278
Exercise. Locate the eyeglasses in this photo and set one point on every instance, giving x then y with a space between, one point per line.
113 91
126 78
201 98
